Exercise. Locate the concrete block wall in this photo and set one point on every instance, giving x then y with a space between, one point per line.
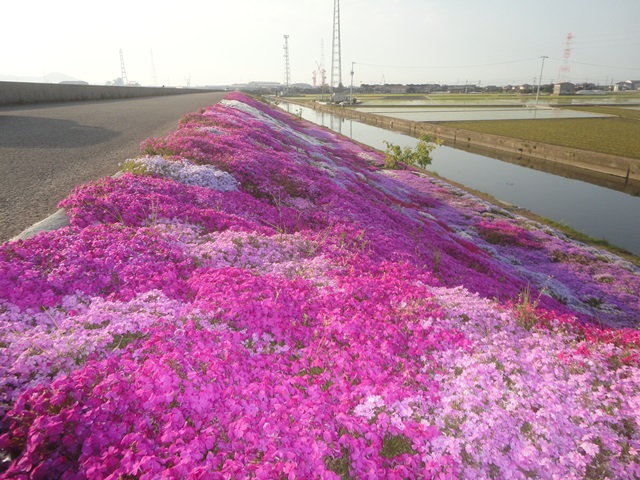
20 93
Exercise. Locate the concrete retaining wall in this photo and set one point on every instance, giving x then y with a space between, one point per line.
18 93
622 167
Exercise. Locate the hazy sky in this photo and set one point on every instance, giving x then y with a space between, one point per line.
402 41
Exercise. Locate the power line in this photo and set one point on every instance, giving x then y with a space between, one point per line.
451 66
596 65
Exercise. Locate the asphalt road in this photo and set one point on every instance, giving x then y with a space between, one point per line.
48 149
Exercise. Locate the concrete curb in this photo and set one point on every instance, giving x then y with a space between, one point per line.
52 222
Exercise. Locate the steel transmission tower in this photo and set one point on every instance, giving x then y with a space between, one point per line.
287 70
565 68
336 56
123 71
323 70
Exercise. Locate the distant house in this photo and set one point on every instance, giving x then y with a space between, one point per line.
627 85
564 88
398 88
338 97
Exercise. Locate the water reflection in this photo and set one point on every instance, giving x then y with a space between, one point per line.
593 209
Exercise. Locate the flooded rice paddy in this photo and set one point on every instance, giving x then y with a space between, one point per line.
443 114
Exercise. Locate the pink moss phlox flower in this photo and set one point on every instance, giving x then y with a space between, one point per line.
143 201
102 260
42 345
291 365
260 300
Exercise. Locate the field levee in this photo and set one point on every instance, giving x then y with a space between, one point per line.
600 163
21 93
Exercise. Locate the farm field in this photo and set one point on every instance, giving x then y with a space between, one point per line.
614 135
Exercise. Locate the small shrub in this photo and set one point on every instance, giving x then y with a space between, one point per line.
397 157
526 309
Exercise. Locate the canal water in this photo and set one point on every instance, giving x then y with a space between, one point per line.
597 211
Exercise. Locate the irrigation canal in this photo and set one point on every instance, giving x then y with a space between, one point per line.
590 205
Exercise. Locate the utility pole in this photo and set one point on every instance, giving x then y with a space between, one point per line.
540 79
351 91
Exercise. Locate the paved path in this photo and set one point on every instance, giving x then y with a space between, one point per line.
46 150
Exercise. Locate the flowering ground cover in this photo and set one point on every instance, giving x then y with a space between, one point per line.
255 297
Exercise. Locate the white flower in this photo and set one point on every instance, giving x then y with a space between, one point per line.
187 173
591 449
367 409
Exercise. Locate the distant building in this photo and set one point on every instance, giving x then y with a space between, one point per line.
397 88
339 97
264 85
626 86
261 88
462 88
564 88
591 92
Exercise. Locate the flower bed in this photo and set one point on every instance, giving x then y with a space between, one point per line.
257 298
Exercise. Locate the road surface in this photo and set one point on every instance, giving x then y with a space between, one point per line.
46 150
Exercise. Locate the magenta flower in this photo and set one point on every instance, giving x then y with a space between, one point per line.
260 300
